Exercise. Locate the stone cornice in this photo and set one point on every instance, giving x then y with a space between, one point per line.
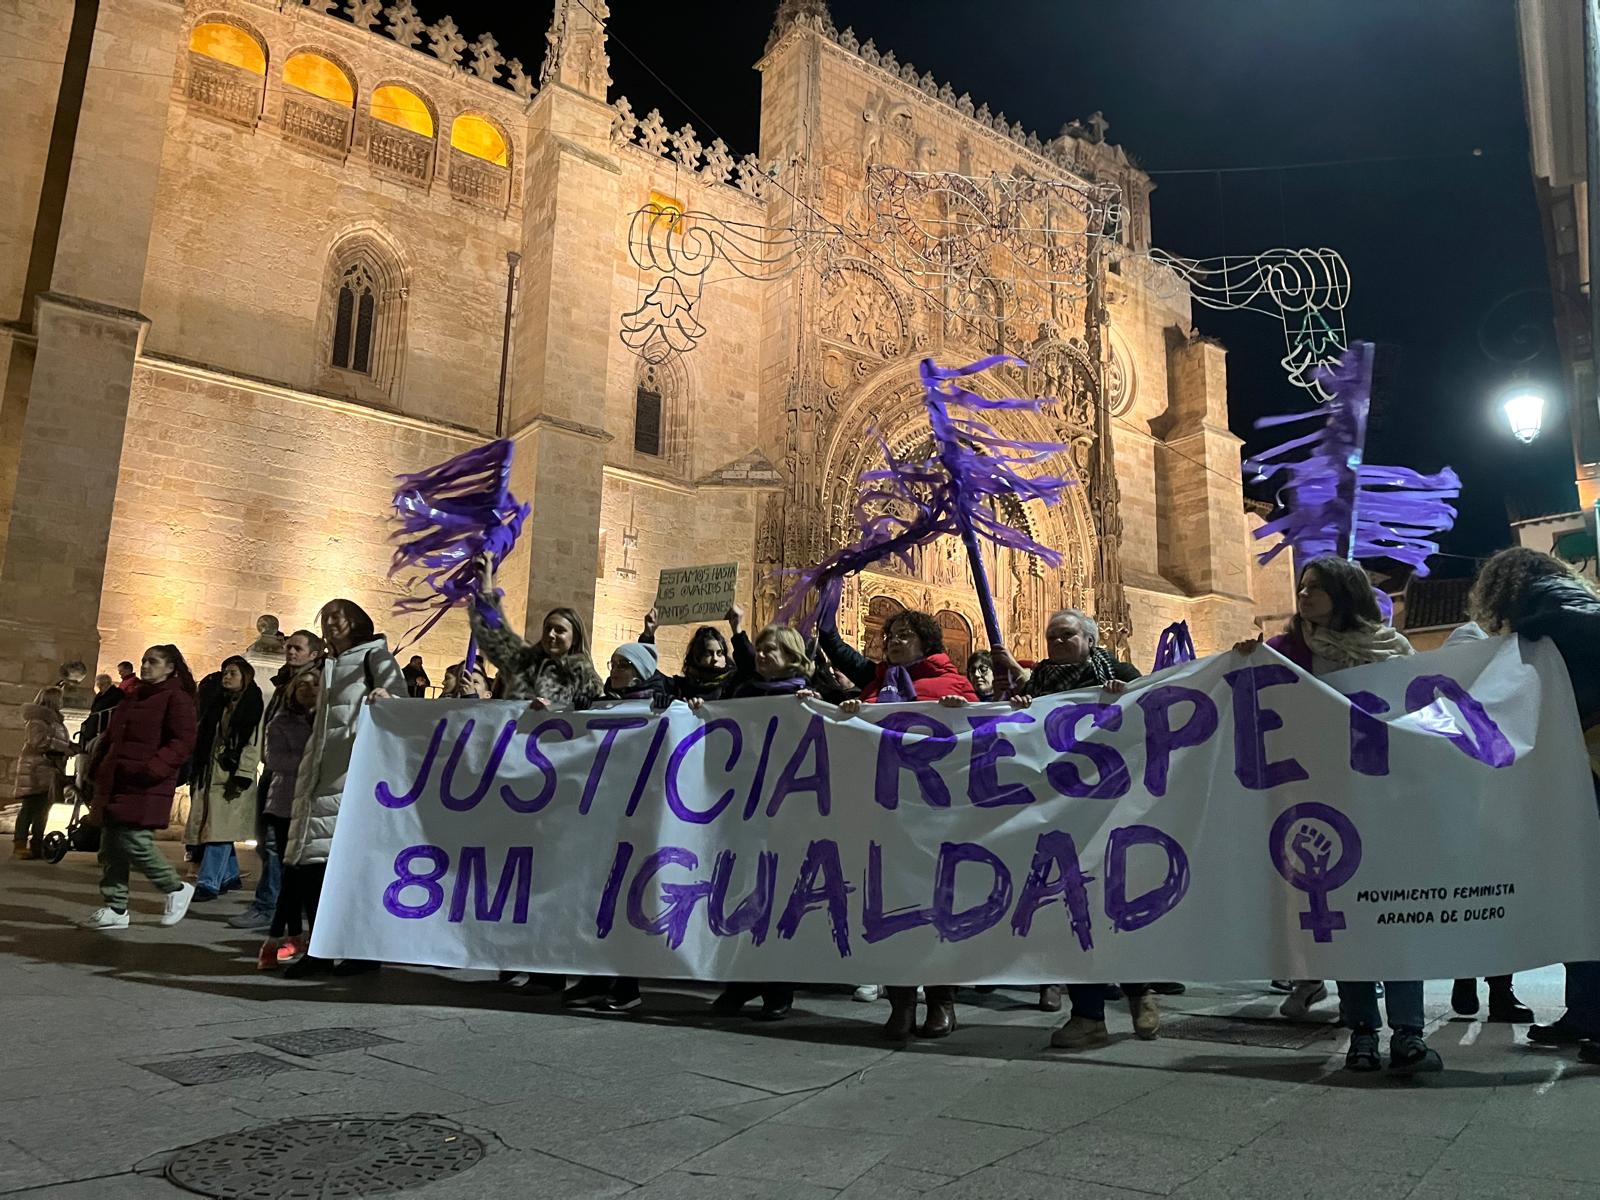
1064 153
188 369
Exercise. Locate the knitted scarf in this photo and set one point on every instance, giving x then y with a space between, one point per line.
754 688
1095 671
897 687
1355 647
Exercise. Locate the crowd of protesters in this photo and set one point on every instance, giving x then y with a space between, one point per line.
273 770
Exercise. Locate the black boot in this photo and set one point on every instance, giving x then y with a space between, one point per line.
1504 1007
941 1020
734 997
902 1022
776 1001
1464 997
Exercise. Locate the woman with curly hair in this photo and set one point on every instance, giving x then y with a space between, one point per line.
1536 595
914 667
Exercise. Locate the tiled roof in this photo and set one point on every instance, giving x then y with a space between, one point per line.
1434 602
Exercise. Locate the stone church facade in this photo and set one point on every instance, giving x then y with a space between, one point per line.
256 258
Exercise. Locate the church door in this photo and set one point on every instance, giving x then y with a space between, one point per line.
957 637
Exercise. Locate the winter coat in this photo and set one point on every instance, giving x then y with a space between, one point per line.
44 734
347 679
99 715
1056 680
529 673
934 677
1567 613
286 746
740 670
137 762
222 803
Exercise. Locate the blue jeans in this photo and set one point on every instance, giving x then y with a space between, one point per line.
271 855
1089 999
1358 1004
1583 996
219 866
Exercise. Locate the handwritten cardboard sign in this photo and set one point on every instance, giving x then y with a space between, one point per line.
689 594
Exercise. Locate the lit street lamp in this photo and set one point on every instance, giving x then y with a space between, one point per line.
1524 410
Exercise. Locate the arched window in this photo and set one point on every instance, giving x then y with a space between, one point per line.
471 134
227 71
480 162
363 321
401 139
660 418
318 103
355 312
401 106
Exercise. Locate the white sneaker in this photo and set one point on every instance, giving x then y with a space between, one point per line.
867 993
1306 993
177 904
105 918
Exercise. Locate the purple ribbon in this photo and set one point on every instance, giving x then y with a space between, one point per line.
1176 646
451 515
906 504
1336 503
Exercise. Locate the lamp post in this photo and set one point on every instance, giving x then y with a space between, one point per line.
1523 407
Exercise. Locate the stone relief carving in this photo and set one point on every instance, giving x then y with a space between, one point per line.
859 308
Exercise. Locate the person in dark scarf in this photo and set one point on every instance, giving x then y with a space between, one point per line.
1075 661
227 754
712 667
782 669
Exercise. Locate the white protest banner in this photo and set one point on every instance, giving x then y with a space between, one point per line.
689 594
1234 818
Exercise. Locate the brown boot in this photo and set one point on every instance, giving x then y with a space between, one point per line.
941 1020
902 1022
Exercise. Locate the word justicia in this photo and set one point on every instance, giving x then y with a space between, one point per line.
630 760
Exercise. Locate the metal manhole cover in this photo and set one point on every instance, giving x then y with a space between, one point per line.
324 1158
191 1069
1270 1033
309 1043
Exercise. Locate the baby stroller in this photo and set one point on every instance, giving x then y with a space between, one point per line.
80 834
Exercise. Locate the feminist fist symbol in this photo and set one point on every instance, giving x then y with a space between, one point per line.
1306 860
1313 849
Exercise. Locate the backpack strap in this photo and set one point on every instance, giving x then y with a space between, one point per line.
366 670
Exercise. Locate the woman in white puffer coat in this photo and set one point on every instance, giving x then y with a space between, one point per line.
357 668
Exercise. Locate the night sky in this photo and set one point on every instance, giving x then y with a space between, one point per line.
1443 237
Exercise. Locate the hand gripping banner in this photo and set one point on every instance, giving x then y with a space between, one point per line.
1233 818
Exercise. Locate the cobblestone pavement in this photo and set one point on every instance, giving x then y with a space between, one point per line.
668 1103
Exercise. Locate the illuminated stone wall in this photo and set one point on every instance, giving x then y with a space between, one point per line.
252 184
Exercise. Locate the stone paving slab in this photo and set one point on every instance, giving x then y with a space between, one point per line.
671 1103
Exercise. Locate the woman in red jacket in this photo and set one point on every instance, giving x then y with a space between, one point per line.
915 667
135 773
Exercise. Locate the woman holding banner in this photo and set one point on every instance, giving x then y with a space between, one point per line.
712 669
1075 660
915 667
1536 595
1337 625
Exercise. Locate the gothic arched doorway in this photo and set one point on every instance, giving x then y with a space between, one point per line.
957 636
879 610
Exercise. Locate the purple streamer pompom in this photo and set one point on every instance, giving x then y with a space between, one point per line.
450 516
907 504
1175 647
1336 503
